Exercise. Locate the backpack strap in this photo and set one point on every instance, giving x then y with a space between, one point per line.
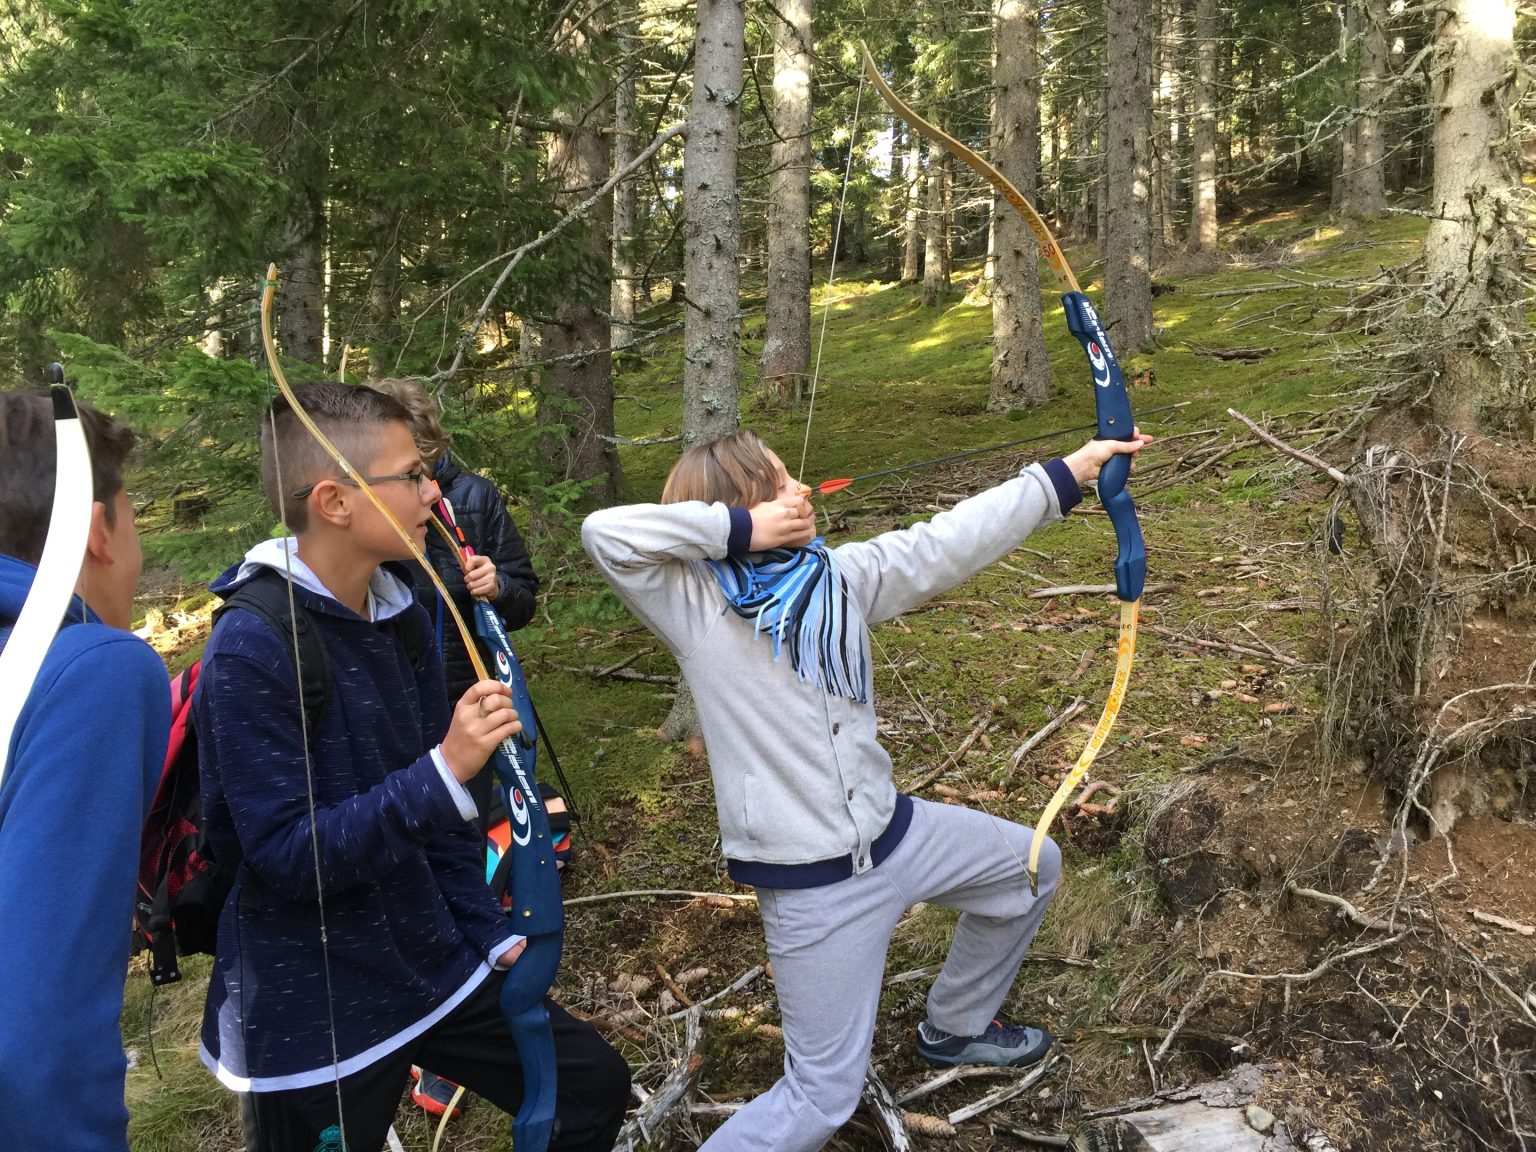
265 596
414 631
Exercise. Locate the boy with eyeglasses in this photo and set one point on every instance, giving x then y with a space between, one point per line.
359 936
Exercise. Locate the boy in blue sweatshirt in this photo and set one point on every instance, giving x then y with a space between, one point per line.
359 937
81 767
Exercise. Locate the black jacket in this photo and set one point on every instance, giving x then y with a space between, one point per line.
480 511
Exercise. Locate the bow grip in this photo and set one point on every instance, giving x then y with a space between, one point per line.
522 1004
1113 408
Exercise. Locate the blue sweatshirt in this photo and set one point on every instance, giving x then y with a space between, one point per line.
81 771
412 928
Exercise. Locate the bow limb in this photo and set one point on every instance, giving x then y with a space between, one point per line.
530 977
1000 183
1114 422
537 910
269 346
69 527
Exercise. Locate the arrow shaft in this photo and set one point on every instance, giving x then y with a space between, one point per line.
969 452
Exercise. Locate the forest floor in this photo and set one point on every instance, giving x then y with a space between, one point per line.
1177 915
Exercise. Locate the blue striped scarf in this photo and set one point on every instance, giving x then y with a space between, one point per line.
797 595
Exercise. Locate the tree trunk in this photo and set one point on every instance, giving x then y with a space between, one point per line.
621 302
384 290
1021 371
1127 240
217 342
1081 167
1476 240
787 331
301 246
1202 221
711 241
576 400
1165 127
912 253
936 234
712 225
1364 175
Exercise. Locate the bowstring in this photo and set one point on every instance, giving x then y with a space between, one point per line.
826 298
913 695
309 772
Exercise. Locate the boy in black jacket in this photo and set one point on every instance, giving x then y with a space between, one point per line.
359 937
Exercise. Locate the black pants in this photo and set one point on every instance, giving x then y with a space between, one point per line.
470 1046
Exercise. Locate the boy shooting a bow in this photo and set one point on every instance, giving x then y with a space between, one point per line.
772 631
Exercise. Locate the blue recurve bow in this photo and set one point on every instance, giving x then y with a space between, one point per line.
1113 408
537 910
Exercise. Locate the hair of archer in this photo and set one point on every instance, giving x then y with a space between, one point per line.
352 415
735 469
426 416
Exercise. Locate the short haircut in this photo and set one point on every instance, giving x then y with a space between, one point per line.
425 416
29 462
733 469
350 414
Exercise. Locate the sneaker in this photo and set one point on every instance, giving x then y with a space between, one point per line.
432 1093
1001 1045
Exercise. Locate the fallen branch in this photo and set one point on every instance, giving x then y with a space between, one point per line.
742 981
1235 649
672 1092
1500 922
949 1076
954 757
618 673
1247 355
887 1116
1034 1135
1282 447
1088 590
1002 1095
626 662
647 442
1180 477
669 893
673 986
1061 718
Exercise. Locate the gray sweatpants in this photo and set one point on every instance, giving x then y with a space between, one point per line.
828 949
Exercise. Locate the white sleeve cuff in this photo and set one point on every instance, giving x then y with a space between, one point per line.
461 797
500 950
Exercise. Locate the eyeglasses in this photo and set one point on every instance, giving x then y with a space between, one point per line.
417 476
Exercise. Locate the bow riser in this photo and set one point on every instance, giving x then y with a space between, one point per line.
537 910
1112 404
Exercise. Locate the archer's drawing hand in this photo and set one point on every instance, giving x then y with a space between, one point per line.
784 522
480 577
481 721
1087 460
